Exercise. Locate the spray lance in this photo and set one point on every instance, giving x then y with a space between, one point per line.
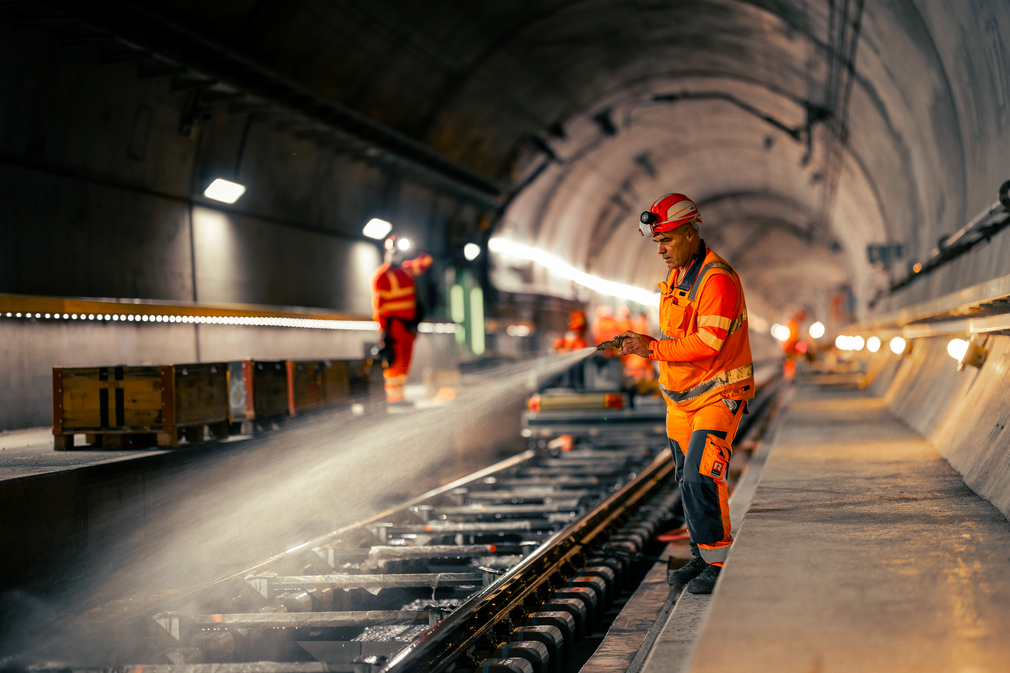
613 343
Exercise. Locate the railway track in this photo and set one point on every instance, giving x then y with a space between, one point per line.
519 567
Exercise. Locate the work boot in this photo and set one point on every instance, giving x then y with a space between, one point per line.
704 582
686 573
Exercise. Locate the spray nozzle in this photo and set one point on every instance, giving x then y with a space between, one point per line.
613 343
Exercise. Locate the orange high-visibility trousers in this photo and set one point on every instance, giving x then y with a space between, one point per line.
701 442
395 376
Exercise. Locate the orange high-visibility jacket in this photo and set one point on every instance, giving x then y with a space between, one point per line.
704 352
393 295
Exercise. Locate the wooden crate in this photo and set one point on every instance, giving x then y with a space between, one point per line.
120 406
336 381
366 378
305 381
271 392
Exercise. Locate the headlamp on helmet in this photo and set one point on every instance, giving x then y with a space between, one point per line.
668 213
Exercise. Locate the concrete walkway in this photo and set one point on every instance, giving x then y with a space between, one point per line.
863 550
24 453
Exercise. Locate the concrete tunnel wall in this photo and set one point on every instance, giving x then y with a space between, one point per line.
963 414
101 196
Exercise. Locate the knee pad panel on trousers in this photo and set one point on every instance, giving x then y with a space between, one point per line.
700 440
701 492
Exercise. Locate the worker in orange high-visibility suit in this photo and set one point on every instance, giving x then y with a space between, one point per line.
395 308
790 347
575 338
706 377
635 367
605 327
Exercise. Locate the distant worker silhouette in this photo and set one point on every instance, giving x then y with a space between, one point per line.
396 308
791 347
706 376
575 338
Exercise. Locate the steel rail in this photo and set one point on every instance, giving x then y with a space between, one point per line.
450 638
619 528
167 603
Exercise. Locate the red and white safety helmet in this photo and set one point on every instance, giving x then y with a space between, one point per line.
668 213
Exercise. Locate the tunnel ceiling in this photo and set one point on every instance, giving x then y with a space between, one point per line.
805 129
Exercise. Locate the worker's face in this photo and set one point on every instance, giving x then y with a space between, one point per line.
676 247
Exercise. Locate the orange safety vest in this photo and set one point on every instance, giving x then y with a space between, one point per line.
727 374
393 295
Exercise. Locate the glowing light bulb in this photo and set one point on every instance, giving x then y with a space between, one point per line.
471 251
816 331
956 348
403 244
873 344
897 345
780 332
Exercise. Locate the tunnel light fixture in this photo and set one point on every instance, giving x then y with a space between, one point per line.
377 229
897 345
403 244
780 332
844 342
816 331
504 246
471 251
438 328
224 191
873 344
957 348
239 320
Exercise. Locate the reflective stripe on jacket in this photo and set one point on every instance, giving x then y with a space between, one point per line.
393 295
704 351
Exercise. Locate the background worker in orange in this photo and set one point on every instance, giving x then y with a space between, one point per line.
790 347
395 308
575 338
706 377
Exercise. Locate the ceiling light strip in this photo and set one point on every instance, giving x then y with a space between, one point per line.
245 321
562 268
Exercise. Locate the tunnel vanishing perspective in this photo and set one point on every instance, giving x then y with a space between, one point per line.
806 132
213 182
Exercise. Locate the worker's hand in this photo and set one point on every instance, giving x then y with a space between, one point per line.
635 344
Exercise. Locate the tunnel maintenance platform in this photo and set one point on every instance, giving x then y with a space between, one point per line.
862 549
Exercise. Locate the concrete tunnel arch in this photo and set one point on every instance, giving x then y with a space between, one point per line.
551 122
888 178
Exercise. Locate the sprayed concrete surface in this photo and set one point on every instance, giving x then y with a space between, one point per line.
863 550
